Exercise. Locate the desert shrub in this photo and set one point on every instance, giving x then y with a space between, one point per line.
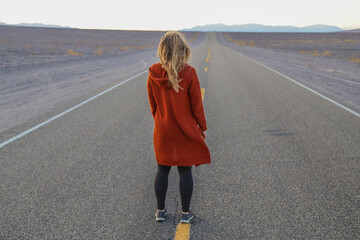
326 53
73 53
98 52
314 53
354 59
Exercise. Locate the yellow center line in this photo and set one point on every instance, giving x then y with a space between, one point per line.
208 56
182 231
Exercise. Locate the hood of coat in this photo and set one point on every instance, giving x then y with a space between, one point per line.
159 75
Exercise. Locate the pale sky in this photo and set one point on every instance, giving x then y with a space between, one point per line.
176 15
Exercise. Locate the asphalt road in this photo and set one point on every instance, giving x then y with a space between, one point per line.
285 164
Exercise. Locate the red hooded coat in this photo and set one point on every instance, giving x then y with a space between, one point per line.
179 118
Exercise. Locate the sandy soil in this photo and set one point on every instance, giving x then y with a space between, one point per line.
31 87
336 78
29 45
336 45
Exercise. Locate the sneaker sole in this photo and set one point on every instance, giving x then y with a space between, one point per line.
160 219
187 221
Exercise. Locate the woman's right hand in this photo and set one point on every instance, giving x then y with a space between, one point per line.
203 135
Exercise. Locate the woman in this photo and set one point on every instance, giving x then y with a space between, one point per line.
179 120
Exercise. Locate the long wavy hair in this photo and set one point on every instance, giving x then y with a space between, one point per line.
174 52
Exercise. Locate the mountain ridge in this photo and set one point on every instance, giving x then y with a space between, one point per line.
34 25
252 27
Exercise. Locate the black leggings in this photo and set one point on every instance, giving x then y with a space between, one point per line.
186 185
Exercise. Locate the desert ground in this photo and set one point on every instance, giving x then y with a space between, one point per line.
329 63
29 45
335 45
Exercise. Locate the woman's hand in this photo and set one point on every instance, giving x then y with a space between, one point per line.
203 135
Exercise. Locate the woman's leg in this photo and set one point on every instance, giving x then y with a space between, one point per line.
186 186
161 184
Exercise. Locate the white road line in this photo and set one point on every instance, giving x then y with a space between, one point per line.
67 111
300 84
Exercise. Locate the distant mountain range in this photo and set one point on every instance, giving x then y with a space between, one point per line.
251 27
35 25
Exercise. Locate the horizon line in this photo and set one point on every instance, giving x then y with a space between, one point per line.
186 28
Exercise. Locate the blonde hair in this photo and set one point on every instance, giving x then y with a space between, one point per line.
174 52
